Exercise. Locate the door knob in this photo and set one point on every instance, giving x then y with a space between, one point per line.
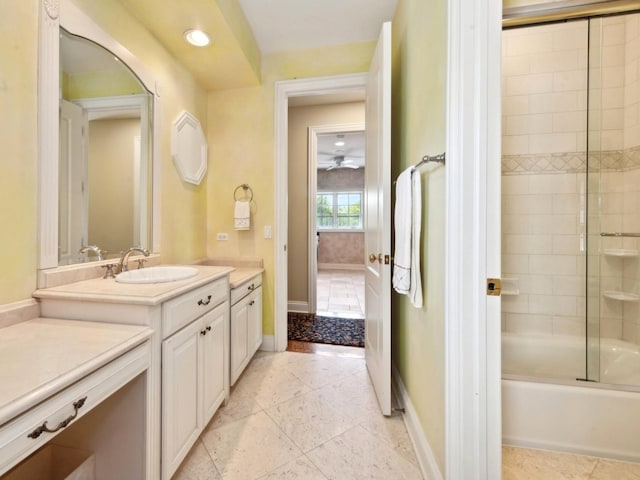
373 257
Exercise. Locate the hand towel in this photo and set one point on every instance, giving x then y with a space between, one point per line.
242 215
415 292
406 277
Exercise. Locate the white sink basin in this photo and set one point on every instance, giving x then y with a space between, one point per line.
156 274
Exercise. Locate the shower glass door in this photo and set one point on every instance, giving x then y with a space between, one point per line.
544 184
614 200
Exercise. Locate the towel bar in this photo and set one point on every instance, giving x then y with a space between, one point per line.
245 187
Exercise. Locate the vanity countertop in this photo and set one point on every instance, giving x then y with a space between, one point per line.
241 275
107 290
41 356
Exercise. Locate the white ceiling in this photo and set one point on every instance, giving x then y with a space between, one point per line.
280 25
353 149
277 25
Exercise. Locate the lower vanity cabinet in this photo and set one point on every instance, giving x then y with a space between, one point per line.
193 383
246 324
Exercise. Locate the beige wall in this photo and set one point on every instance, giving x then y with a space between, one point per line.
419 122
341 248
183 206
110 183
300 119
18 162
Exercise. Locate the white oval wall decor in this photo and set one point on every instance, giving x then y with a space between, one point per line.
189 148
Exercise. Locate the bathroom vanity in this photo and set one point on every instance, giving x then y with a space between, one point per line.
189 348
63 379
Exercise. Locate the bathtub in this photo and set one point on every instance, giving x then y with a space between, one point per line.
558 413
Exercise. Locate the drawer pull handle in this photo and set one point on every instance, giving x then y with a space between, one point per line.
252 302
43 428
203 332
209 328
251 287
205 302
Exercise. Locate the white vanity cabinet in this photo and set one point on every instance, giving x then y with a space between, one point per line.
189 370
194 368
246 324
81 385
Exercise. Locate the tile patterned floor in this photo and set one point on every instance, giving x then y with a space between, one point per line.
302 416
295 415
527 464
340 293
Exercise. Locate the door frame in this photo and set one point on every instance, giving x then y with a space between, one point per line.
473 419
312 189
283 90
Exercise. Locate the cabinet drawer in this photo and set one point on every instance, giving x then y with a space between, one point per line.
186 308
245 288
69 405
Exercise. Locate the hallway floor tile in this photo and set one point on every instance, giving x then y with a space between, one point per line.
302 416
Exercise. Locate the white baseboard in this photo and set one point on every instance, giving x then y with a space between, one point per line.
268 343
298 307
341 266
426 459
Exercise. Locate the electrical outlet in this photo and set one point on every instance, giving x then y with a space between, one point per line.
267 231
222 236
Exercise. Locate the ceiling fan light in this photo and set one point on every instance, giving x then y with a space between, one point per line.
197 38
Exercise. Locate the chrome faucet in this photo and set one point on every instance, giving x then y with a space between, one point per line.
92 248
124 259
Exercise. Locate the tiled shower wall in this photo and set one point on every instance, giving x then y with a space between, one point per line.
544 173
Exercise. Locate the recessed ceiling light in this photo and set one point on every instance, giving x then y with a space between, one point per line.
339 144
197 38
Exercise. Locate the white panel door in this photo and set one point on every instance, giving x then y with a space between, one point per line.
180 422
239 337
73 227
212 355
254 326
378 221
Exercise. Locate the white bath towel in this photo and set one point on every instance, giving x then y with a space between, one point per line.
407 223
242 215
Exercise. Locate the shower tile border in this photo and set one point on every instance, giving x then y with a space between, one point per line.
571 162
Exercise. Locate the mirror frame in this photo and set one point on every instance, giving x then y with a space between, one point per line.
52 15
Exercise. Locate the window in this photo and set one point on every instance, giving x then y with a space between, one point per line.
339 210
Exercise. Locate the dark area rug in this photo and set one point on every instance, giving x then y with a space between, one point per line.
307 327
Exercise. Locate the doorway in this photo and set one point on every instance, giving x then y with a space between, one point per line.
336 247
326 238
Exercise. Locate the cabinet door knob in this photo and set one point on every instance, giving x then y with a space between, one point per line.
209 328
203 332
252 302
205 302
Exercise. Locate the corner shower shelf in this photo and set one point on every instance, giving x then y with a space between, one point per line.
622 296
621 252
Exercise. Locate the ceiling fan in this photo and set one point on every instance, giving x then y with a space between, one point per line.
340 159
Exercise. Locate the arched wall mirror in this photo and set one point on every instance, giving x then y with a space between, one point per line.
97 111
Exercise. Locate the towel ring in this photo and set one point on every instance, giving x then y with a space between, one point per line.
245 187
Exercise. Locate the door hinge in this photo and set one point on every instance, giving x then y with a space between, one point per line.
494 286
